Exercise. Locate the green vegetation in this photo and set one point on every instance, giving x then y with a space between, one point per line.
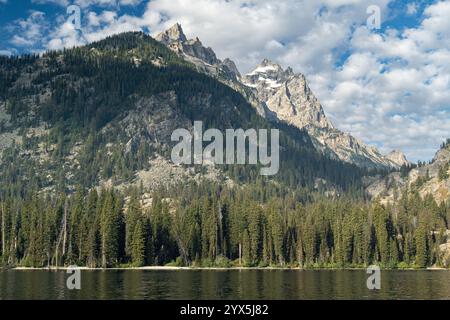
206 225
445 144
443 172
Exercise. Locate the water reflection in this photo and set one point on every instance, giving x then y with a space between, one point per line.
224 284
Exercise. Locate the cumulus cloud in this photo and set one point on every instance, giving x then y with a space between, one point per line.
394 87
98 26
28 32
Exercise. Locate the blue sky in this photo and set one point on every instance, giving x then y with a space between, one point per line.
390 86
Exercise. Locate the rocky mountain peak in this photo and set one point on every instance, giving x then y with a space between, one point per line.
269 63
195 52
173 34
268 70
287 95
231 66
176 40
268 77
398 158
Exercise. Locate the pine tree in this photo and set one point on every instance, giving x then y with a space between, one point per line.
421 244
133 214
254 229
138 246
443 172
381 221
110 220
394 255
74 249
246 250
407 251
89 230
276 220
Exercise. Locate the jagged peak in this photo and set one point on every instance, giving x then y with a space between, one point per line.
174 33
443 154
232 67
270 69
289 70
197 40
396 152
266 66
268 62
398 158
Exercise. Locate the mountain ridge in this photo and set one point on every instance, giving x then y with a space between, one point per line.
426 179
282 95
103 114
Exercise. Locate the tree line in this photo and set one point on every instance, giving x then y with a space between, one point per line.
214 226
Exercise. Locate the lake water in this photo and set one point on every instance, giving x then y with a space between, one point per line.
229 284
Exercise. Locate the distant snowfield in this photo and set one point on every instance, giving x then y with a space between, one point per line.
262 70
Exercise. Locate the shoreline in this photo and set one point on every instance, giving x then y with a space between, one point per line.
169 268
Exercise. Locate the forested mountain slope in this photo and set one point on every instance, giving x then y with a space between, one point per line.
100 113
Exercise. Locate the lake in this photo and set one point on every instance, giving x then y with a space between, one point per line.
226 284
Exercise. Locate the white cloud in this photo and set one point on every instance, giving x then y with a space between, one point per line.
28 32
98 27
411 8
404 96
8 52
88 3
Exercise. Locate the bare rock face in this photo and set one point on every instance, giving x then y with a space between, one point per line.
175 33
155 118
267 77
426 180
294 103
398 157
231 68
442 156
195 52
195 48
350 149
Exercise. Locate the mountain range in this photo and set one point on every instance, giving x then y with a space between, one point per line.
282 95
103 115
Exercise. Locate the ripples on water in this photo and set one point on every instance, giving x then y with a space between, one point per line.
228 284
